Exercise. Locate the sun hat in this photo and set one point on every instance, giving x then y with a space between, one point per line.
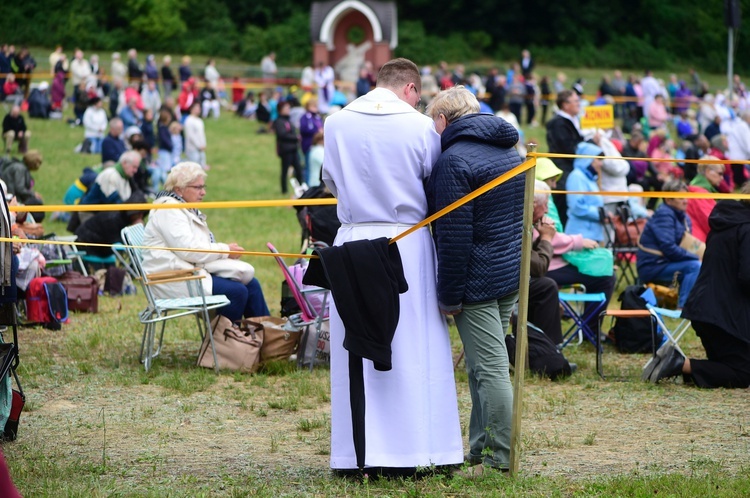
546 169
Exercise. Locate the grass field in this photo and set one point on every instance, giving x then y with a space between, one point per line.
96 424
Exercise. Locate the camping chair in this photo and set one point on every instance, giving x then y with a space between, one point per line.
570 302
579 306
670 336
624 249
71 251
311 313
624 315
195 302
82 257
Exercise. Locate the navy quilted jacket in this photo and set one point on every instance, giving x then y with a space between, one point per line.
478 244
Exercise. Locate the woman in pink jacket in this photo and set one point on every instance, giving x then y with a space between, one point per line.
657 113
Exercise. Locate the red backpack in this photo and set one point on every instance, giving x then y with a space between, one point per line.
46 302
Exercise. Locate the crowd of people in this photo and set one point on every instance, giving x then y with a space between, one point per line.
154 145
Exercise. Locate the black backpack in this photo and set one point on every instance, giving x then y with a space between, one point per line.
544 357
633 335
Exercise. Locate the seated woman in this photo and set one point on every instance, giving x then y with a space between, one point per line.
187 228
707 180
583 210
719 306
659 252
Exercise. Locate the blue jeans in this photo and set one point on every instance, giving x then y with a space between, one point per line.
688 269
482 327
244 300
96 145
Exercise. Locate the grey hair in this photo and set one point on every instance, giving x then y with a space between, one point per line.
674 186
130 157
541 192
183 174
453 103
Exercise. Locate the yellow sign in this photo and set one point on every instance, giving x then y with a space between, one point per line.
598 116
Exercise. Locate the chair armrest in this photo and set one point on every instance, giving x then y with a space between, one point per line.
176 279
160 275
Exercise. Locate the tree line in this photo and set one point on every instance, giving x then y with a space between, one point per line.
579 33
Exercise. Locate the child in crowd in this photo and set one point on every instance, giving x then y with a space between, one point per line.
175 133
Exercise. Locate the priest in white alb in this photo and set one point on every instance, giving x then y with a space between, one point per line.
378 152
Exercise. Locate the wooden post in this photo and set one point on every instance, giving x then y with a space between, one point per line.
523 307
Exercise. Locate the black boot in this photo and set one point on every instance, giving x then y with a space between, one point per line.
654 361
670 365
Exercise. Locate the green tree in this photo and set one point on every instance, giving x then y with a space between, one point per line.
156 22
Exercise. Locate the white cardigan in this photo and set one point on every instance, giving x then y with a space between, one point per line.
179 228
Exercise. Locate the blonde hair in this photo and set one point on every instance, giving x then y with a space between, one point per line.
33 159
183 174
453 103
702 167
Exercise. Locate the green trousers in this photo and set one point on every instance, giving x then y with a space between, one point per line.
482 327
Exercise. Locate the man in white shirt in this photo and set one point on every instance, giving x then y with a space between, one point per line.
379 150
650 88
737 132
324 80
268 66
80 69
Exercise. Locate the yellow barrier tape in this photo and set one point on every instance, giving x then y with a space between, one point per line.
647 159
660 195
155 248
182 205
530 163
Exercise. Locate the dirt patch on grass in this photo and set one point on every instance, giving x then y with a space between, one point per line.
574 428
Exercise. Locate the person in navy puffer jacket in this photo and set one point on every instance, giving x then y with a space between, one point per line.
479 258
659 254
583 210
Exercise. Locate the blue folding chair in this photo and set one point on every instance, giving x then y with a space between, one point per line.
569 302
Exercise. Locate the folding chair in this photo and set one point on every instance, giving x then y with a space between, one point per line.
72 252
194 302
624 251
569 302
310 313
122 257
576 289
624 315
679 330
673 337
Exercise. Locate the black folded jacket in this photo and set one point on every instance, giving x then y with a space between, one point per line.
365 278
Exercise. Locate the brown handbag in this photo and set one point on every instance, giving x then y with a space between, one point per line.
82 291
237 347
692 244
278 342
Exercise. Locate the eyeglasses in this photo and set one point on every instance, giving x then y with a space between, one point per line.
197 187
419 95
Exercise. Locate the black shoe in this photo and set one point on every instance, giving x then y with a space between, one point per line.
670 365
573 367
472 460
654 361
649 367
